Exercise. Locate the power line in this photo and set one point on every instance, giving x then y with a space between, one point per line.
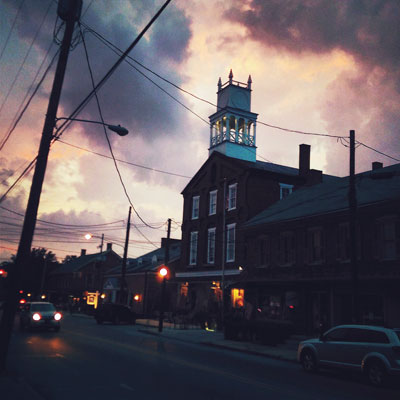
106 135
25 58
11 29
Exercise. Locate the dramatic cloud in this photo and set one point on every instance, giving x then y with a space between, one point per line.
367 99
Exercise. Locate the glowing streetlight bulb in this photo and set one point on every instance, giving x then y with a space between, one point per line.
88 236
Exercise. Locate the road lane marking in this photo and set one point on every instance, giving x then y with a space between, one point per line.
200 367
127 387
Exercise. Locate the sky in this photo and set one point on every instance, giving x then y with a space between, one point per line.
317 66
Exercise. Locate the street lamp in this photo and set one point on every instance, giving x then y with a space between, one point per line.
120 130
163 272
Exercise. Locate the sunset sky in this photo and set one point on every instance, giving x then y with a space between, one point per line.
317 66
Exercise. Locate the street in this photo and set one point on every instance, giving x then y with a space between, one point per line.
89 361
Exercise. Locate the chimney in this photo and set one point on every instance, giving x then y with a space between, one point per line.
304 159
83 252
109 246
376 165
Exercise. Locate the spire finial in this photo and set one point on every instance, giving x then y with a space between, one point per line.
230 76
219 83
249 81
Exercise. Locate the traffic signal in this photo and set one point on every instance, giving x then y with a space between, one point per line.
3 273
163 272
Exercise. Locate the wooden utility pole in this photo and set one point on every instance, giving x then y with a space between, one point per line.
164 280
70 12
353 228
122 297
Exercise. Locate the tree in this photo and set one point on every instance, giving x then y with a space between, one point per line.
68 259
41 263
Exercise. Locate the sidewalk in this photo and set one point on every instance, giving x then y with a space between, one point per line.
285 351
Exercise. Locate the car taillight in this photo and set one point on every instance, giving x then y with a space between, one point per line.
396 351
36 317
57 316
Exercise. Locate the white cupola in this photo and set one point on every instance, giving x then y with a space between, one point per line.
233 126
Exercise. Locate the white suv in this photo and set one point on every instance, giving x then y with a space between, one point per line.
373 350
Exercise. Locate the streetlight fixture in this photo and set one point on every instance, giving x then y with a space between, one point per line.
120 130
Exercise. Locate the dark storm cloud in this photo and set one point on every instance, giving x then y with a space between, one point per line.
127 98
366 99
367 29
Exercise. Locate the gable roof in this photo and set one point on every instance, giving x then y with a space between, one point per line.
78 263
371 187
258 165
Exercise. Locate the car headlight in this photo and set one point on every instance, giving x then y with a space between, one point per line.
57 316
36 317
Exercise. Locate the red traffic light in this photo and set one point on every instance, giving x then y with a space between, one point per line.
3 273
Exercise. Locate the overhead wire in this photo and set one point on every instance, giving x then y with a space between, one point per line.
11 29
25 58
108 140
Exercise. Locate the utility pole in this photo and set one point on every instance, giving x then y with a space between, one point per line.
353 228
70 12
223 257
164 281
122 297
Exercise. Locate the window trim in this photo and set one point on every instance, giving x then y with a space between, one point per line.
309 246
230 228
211 230
194 198
211 195
193 248
233 185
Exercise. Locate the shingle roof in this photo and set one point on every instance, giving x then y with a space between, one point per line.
371 187
77 263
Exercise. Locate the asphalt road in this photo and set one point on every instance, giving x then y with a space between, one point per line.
89 361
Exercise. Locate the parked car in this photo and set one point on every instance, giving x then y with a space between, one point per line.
373 350
39 315
115 313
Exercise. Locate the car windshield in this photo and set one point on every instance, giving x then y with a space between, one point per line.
42 307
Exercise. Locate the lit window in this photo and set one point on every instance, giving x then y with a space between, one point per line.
213 202
195 207
237 296
232 193
230 242
193 248
184 289
285 190
211 246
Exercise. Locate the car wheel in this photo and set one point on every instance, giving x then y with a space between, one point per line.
308 361
376 373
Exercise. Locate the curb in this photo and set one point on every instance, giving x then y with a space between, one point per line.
17 388
222 346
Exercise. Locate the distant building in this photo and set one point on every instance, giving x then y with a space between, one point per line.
230 188
82 274
298 253
143 283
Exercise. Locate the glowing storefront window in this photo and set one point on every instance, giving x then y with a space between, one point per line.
237 296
